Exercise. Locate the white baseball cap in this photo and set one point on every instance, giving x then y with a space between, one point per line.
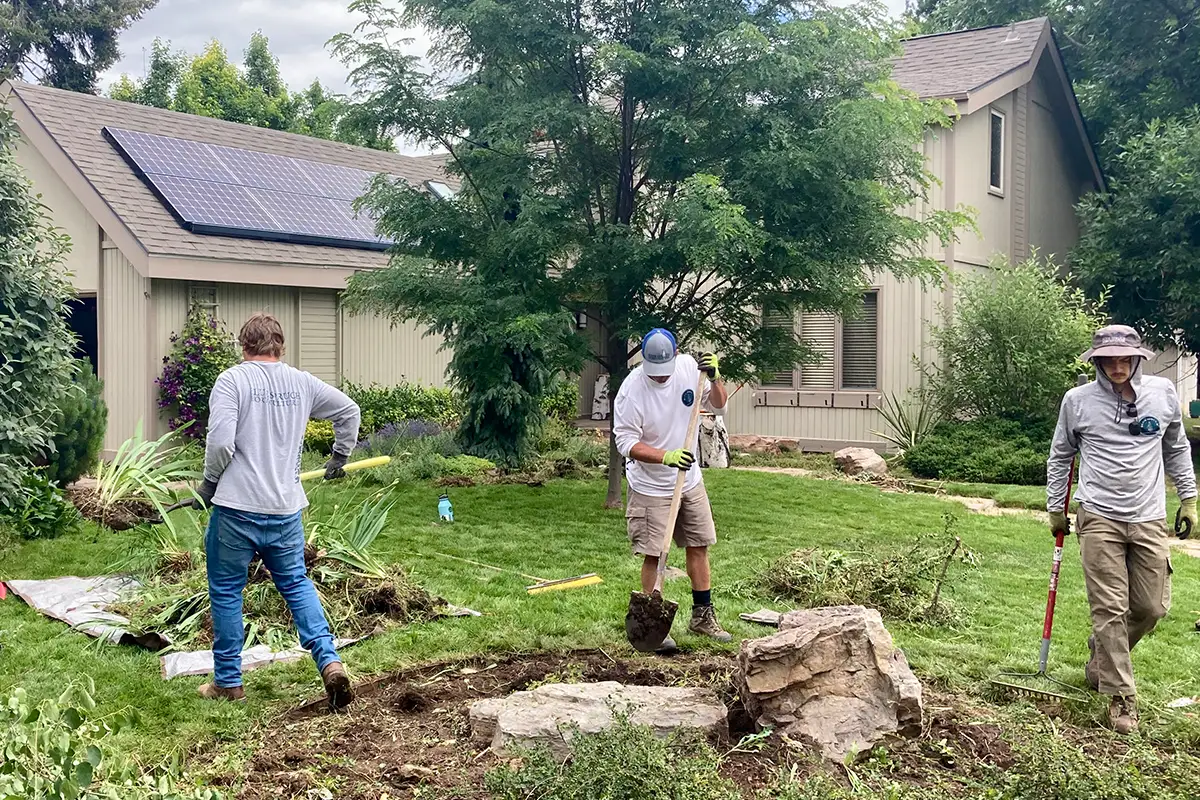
658 353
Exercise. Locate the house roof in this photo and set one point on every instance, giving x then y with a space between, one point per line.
977 67
952 65
74 122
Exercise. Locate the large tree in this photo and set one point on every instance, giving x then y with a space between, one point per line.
36 367
64 43
642 163
211 85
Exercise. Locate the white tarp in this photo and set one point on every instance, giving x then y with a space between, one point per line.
81 603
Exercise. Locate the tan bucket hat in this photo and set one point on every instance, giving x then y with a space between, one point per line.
1117 341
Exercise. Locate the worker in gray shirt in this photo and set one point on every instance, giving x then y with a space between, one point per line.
1126 427
258 412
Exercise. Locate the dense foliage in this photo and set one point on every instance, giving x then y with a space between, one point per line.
199 354
679 165
387 405
65 43
35 342
210 85
988 450
1012 347
81 424
40 511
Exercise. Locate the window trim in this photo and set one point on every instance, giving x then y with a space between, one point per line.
838 390
993 113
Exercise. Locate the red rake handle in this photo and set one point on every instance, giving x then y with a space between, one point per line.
1052 596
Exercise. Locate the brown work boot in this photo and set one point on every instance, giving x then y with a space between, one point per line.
1123 715
337 685
704 622
1090 672
210 691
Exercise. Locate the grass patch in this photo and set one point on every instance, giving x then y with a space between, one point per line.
820 464
560 529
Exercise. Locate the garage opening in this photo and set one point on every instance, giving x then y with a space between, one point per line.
82 318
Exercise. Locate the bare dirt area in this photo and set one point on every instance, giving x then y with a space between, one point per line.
407 733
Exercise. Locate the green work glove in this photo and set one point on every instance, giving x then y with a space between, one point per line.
712 365
683 459
1059 523
1185 518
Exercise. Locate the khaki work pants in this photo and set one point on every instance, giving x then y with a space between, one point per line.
1127 568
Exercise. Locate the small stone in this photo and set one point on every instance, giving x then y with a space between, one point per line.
860 460
551 714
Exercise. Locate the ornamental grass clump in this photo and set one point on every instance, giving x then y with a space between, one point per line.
199 353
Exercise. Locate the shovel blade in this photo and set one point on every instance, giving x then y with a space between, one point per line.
648 621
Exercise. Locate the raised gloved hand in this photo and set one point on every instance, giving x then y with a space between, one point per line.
334 467
683 459
1059 523
712 365
205 493
1185 518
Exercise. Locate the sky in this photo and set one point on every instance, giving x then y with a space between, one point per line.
297 29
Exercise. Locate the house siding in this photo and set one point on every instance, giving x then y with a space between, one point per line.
1060 177
125 324
372 351
68 214
993 212
319 333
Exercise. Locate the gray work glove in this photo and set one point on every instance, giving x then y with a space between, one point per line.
205 493
1059 523
334 468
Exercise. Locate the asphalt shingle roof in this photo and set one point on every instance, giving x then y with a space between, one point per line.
954 64
75 121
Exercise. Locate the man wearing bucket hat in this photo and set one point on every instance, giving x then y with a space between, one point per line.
650 420
1127 428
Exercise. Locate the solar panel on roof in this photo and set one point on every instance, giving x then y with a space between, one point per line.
229 191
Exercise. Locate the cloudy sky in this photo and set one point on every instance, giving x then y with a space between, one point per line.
297 29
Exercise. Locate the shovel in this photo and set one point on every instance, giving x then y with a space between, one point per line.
649 618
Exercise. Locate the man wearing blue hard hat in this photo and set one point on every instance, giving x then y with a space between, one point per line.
650 421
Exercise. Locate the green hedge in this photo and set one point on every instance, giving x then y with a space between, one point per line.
82 422
382 405
986 450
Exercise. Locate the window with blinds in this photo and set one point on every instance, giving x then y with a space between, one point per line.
819 331
778 380
860 347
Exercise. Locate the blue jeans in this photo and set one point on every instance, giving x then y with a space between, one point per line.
232 539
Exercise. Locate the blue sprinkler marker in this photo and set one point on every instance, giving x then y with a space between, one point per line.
445 510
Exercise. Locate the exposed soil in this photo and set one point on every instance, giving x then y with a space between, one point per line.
120 516
648 620
407 734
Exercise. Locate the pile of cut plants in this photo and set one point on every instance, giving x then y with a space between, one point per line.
362 595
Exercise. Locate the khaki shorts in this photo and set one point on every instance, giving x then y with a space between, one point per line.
647 516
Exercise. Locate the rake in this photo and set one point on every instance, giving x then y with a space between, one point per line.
1007 680
542 584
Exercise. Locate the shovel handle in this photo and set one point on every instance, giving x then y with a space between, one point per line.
677 497
365 463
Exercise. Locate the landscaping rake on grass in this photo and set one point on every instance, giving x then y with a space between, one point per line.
1040 685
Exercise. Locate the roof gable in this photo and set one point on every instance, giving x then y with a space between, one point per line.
75 123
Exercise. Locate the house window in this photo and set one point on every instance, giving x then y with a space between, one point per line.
996 153
849 350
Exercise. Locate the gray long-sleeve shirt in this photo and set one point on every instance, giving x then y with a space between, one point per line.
258 412
1121 475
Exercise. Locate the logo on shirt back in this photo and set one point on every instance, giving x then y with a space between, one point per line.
689 397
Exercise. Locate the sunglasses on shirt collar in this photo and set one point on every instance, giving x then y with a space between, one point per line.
1147 426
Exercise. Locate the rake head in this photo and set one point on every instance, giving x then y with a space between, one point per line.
1037 686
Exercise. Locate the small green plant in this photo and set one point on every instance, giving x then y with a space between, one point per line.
562 401
54 750
625 761
199 354
319 437
986 450
908 422
40 511
81 424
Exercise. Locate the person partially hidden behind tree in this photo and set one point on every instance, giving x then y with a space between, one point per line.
258 411
650 421
1125 426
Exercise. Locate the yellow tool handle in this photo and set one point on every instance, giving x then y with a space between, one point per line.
365 463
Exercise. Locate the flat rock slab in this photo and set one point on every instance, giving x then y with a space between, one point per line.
551 715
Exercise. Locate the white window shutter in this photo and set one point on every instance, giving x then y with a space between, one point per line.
779 380
819 331
860 347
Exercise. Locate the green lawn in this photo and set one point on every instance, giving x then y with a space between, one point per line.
560 530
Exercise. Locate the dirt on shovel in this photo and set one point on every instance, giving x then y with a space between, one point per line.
648 620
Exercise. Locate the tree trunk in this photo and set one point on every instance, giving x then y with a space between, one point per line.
618 368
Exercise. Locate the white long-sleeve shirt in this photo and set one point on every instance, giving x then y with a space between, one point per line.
258 412
657 415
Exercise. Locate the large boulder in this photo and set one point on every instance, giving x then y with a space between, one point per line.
551 714
860 460
832 678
